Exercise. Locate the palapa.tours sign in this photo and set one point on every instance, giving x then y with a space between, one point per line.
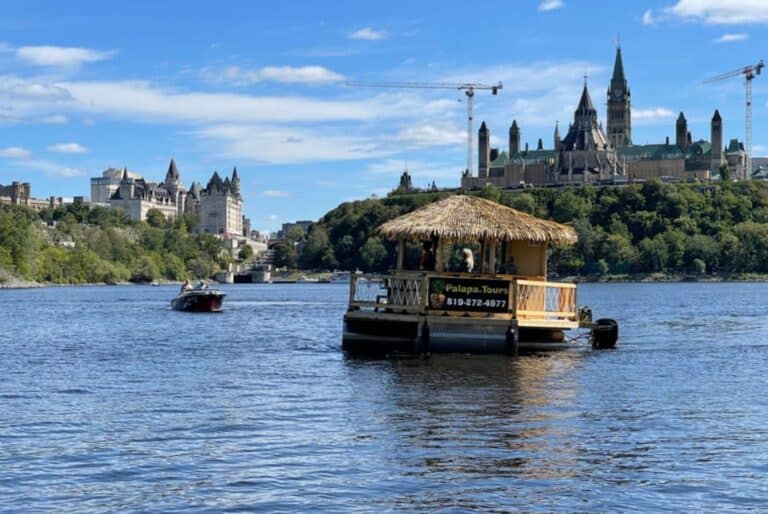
459 294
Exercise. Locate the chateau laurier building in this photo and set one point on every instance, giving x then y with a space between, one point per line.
219 204
589 155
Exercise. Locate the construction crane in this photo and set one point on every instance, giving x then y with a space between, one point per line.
468 88
750 72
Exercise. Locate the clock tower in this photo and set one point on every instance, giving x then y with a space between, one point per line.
619 114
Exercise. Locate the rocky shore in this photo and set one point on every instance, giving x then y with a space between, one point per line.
10 281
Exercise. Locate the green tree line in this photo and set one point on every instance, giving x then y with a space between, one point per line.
79 244
639 228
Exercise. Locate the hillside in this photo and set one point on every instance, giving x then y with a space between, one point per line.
79 244
654 227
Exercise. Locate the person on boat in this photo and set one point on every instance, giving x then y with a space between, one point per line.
185 286
510 268
467 261
427 262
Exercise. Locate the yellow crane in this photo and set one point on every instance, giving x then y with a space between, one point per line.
750 72
468 88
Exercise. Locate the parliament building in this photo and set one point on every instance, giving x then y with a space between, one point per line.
590 154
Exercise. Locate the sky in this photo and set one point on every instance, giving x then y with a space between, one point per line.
265 86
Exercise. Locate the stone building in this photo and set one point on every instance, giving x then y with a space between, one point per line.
103 187
137 196
221 206
20 193
588 155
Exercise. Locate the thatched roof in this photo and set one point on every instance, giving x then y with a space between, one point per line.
469 217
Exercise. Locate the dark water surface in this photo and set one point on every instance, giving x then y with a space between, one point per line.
111 402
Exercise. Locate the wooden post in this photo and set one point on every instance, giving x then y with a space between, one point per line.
483 247
513 297
400 253
492 257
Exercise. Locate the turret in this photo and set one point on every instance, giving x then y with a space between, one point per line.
681 132
540 145
235 183
127 186
484 150
514 139
172 175
717 142
586 114
557 136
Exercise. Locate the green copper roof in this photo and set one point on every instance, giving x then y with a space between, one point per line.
649 152
699 148
527 158
735 146
618 80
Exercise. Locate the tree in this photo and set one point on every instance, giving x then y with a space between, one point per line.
155 218
725 174
144 270
295 234
245 253
373 255
317 246
284 255
653 254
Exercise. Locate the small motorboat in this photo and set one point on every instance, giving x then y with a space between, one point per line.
203 299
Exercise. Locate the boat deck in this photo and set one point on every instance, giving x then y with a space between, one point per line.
457 312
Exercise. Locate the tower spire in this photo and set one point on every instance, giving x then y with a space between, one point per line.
619 112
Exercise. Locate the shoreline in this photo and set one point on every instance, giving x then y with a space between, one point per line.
8 281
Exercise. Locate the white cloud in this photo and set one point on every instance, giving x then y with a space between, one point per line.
648 18
283 74
427 135
368 34
141 101
52 168
22 157
68 148
56 119
719 12
15 152
289 145
652 114
731 38
60 56
550 5
271 193
304 74
20 89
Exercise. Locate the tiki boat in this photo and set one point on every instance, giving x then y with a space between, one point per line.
504 305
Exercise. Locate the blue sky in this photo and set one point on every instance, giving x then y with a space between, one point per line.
262 85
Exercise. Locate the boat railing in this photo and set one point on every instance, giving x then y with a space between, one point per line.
462 294
541 300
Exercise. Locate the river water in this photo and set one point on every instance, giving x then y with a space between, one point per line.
109 401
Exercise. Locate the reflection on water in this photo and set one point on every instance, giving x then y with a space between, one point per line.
112 402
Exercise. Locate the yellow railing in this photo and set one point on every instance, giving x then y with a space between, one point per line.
538 300
406 292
